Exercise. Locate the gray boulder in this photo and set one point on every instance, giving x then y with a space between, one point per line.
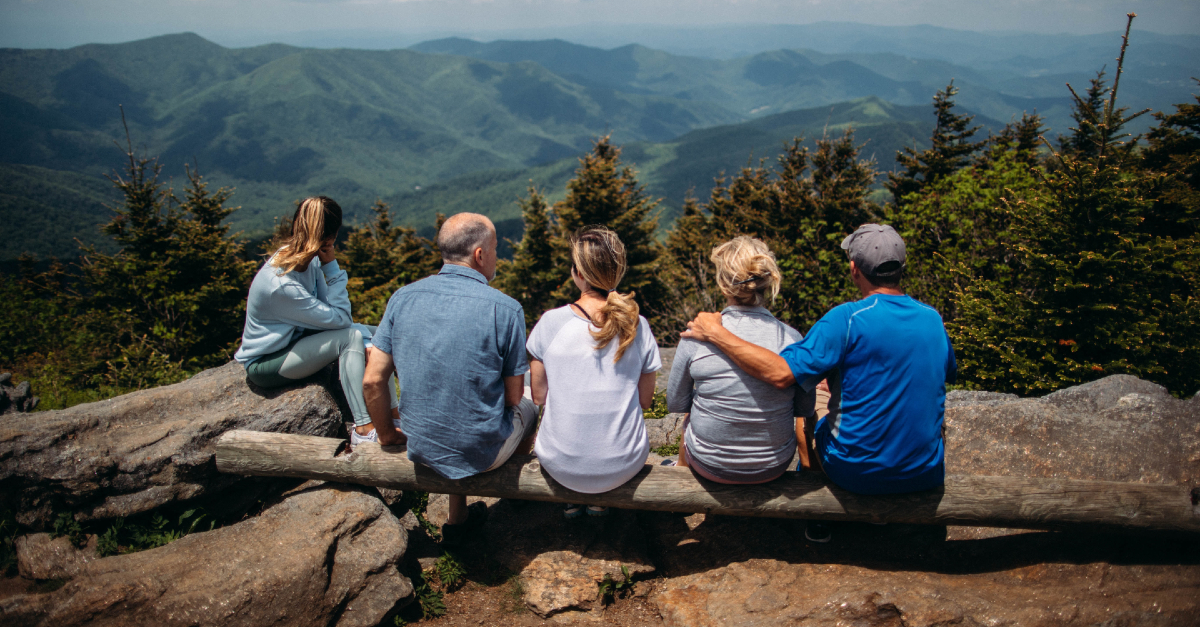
40 556
1119 428
324 555
133 453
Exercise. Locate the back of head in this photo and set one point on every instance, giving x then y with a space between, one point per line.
878 251
599 259
746 271
461 234
316 220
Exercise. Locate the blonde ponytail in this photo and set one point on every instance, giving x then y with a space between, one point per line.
620 313
599 259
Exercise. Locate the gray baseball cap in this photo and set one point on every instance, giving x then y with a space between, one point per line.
874 245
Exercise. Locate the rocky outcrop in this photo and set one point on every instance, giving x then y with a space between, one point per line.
41 556
666 430
136 452
722 570
18 398
562 562
770 593
1119 428
324 555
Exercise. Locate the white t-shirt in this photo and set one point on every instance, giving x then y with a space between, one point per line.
592 437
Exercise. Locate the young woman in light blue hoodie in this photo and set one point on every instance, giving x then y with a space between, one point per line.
298 314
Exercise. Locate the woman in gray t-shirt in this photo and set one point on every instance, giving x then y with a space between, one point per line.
739 430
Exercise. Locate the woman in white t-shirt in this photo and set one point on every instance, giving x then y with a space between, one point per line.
592 364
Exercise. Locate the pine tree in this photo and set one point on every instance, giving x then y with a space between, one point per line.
531 276
1101 290
173 297
381 258
1174 151
955 232
1024 137
801 214
605 192
950 149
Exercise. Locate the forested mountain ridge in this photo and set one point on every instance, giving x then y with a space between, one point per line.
452 125
282 122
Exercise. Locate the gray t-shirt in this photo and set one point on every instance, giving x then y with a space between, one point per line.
592 437
740 429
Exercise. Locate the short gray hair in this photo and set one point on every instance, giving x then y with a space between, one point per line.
458 238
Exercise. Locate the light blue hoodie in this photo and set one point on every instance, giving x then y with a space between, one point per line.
282 306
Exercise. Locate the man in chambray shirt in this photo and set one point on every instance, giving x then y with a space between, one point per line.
458 349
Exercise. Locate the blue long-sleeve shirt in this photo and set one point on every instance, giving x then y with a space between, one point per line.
281 307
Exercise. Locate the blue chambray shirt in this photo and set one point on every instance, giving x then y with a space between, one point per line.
452 339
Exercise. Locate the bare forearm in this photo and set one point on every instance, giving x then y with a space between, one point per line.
514 389
379 404
753 359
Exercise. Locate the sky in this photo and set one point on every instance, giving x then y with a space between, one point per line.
65 23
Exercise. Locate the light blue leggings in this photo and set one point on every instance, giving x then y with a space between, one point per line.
304 357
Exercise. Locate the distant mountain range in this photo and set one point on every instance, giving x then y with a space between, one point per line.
455 124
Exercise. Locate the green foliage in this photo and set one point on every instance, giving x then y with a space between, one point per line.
603 192
956 232
381 258
66 525
802 213
159 530
1174 151
667 450
532 276
173 297
515 594
606 192
658 409
416 502
950 149
1101 288
1098 124
608 589
168 302
429 599
449 572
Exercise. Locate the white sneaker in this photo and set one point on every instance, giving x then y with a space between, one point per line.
371 436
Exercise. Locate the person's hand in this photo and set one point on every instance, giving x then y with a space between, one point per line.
326 252
391 437
823 386
703 327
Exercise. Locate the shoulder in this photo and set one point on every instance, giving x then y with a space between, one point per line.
504 300
557 314
927 309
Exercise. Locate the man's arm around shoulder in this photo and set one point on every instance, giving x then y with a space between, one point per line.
756 361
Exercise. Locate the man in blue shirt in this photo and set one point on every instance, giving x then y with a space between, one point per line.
887 359
458 349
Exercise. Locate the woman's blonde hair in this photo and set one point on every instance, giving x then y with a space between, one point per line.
746 271
598 257
317 219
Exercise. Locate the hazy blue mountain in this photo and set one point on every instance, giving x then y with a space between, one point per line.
456 124
1000 75
671 170
282 122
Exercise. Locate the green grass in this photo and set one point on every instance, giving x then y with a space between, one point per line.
658 409
667 450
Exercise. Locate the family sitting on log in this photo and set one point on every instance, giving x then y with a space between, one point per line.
748 382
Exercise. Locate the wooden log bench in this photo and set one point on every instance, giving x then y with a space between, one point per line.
963 500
